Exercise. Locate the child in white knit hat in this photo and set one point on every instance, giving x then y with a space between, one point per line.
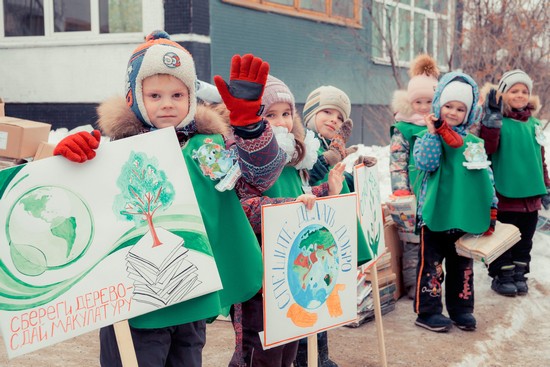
455 198
160 93
410 106
515 140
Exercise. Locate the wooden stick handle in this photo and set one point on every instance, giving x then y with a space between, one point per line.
312 351
378 316
125 344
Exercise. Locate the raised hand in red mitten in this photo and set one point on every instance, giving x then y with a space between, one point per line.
79 147
243 95
448 135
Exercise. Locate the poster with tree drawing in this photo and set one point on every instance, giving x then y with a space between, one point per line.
310 265
369 207
85 245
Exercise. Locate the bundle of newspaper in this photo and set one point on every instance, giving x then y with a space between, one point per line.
488 248
403 212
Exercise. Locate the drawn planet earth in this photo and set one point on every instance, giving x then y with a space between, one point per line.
47 228
313 265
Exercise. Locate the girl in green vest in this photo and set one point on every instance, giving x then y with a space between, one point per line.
410 106
455 198
292 185
515 140
160 93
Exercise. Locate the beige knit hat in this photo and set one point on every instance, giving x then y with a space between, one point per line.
325 97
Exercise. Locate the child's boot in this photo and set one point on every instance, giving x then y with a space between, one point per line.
503 283
520 280
301 356
322 344
464 321
434 322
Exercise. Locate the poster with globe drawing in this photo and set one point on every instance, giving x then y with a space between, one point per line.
369 208
310 266
85 245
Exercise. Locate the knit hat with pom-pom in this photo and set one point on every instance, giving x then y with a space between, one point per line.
424 73
159 55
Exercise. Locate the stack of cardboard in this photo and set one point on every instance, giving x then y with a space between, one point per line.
488 248
387 289
20 139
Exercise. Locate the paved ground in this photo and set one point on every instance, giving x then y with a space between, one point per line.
511 332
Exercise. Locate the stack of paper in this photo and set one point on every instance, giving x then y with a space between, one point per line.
488 248
386 287
403 213
161 274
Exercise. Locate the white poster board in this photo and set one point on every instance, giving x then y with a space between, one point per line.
85 245
369 207
310 262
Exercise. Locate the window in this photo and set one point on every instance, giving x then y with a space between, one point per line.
344 12
51 18
410 27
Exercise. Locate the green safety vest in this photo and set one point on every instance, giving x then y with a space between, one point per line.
517 164
345 187
457 197
234 245
364 252
410 133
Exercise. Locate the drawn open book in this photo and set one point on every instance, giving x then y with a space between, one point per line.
488 248
403 213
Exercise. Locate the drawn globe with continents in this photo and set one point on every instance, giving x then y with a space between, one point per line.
313 266
48 227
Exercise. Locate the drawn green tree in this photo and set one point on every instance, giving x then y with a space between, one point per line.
144 190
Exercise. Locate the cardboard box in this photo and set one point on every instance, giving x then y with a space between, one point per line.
2 105
393 245
44 150
20 138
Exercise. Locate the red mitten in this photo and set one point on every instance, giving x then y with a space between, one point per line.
243 95
493 222
450 136
79 147
401 192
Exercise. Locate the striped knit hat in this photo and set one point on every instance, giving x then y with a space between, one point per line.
325 97
159 55
510 78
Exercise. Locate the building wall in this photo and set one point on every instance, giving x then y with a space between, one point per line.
306 54
62 81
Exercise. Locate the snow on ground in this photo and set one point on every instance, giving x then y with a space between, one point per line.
531 314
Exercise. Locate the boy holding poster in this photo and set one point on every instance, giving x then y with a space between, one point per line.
160 93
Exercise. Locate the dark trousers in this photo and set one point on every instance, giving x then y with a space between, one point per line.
521 251
174 346
251 322
458 275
